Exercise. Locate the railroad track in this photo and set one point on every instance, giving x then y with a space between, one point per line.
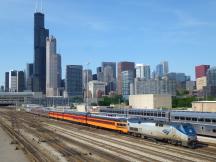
165 155
205 153
33 126
139 149
33 152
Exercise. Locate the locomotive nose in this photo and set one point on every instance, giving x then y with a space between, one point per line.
192 138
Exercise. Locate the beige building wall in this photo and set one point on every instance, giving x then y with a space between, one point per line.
201 82
204 106
150 101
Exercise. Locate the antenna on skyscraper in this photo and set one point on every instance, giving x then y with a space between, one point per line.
36 5
41 6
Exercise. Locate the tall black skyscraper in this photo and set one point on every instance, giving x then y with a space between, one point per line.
6 81
29 77
74 80
20 81
40 34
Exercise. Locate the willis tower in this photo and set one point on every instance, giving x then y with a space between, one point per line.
40 35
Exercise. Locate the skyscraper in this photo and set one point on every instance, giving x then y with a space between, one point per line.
143 71
13 81
127 80
165 67
53 68
16 81
211 77
99 74
87 77
20 81
74 80
110 65
6 81
201 70
159 71
123 66
29 77
40 34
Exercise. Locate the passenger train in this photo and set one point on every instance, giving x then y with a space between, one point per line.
174 133
203 122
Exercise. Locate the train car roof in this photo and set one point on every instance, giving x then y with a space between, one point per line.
136 120
137 110
194 114
69 112
115 118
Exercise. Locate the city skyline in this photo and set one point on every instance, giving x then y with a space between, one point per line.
104 31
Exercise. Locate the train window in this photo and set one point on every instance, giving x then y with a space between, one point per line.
207 120
148 113
213 120
163 115
214 130
201 119
177 117
155 113
144 113
134 129
188 118
159 114
121 125
182 118
194 119
160 125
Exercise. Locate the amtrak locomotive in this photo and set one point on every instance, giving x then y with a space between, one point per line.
174 133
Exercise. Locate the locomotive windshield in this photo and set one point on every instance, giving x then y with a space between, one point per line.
189 129
186 129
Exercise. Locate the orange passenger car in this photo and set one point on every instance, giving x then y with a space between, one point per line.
114 123
75 117
57 115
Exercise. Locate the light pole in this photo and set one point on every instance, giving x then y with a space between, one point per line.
87 88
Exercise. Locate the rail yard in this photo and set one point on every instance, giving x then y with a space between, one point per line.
45 140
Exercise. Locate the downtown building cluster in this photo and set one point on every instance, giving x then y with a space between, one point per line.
122 78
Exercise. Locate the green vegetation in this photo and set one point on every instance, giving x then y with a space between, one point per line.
180 102
183 100
107 101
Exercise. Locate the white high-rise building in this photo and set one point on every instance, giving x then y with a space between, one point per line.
13 81
165 67
143 71
53 68
16 81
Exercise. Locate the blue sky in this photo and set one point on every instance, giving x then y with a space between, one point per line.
182 32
